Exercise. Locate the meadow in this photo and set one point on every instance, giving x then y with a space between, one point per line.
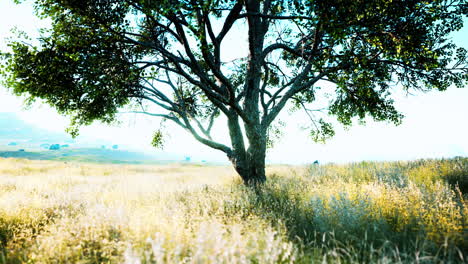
368 212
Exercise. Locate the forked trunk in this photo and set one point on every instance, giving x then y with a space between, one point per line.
250 163
252 167
252 173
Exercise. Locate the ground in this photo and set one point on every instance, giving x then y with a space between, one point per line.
387 212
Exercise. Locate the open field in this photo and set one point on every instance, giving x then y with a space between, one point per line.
56 212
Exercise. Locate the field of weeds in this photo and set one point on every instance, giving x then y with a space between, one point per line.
377 212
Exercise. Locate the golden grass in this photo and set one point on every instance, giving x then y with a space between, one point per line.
55 212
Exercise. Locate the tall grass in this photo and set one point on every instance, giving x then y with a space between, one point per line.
387 212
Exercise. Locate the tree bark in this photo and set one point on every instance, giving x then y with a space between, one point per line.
256 162
252 170
250 164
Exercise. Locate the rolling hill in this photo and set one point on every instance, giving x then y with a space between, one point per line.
19 139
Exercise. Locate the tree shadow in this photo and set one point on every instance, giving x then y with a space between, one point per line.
342 226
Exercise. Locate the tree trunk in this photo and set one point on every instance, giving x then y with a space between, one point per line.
252 167
256 170
250 163
252 172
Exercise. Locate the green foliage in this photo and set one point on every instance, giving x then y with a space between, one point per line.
100 56
373 43
158 139
274 134
322 131
85 77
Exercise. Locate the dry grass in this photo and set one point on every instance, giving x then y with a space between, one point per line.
55 212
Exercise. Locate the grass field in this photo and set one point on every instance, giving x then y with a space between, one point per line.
387 212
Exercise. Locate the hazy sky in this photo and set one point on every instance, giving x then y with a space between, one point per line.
435 126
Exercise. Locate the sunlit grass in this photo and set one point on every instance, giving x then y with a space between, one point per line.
55 212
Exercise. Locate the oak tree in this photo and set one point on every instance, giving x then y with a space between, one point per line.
100 55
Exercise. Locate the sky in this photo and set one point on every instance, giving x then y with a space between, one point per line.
435 123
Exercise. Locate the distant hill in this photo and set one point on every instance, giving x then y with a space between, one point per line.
19 139
13 128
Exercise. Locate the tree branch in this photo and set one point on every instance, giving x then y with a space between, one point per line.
296 88
247 14
229 22
203 140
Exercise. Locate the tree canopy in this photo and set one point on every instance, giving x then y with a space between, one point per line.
101 55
